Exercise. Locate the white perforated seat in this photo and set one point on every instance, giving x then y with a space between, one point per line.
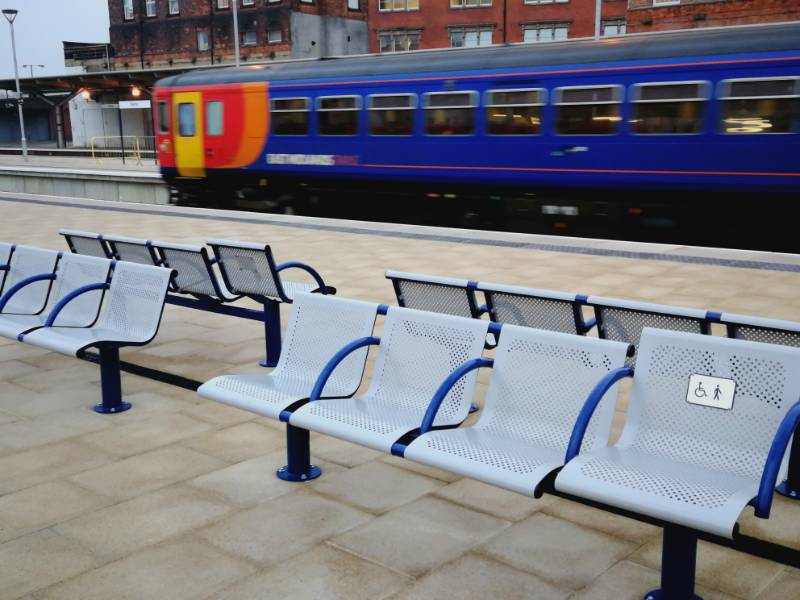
319 327
541 309
194 271
418 350
540 382
26 262
85 242
73 272
685 463
131 249
444 295
130 315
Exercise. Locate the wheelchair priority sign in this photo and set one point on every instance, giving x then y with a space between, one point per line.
716 392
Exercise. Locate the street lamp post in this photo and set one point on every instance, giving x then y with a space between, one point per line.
10 14
236 31
598 9
31 68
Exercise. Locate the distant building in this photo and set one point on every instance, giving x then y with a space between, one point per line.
157 33
661 15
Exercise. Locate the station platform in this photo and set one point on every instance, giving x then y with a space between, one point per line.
177 498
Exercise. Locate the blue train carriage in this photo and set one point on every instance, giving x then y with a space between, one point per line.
657 129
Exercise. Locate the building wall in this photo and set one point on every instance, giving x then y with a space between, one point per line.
643 17
314 36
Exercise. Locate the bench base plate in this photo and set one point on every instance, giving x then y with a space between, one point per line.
784 489
312 473
657 595
111 410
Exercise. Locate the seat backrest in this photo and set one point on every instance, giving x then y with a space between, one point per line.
443 295
131 249
418 351
135 301
759 329
665 419
541 309
320 326
194 273
540 382
248 269
624 320
85 242
27 262
75 271
6 250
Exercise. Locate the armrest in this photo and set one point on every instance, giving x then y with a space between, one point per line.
586 326
24 283
51 318
769 477
327 371
585 416
446 386
310 270
4 267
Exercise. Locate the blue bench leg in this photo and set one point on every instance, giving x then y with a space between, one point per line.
111 383
272 332
678 563
298 450
791 487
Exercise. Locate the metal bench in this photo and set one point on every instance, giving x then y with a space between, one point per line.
130 249
707 429
86 242
130 316
540 381
443 295
624 320
73 274
6 251
417 351
28 279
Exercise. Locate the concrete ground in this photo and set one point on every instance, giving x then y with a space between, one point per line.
176 498
79 162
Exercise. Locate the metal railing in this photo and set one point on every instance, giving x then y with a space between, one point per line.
133 147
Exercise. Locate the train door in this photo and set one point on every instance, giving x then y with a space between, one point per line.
188 133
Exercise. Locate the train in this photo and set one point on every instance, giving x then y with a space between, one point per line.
657 131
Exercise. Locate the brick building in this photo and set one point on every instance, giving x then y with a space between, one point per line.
662 15
396 25
153 33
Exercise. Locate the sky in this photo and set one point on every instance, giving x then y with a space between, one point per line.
42 25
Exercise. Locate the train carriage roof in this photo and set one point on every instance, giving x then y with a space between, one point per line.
696 42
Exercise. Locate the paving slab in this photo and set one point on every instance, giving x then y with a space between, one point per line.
493 500
237 443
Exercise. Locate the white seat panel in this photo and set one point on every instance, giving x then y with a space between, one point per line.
260 394
681 493
12 325
67 340
292 288
504 462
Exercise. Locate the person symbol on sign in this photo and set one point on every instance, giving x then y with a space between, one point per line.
717 393
700 391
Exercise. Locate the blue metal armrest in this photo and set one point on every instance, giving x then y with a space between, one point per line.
4 267
769 477
585 416
446 386
24 283
308 269
51 318
319 386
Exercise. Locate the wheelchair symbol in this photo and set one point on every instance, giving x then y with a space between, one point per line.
700 391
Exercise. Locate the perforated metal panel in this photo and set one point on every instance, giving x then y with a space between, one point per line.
194 274
434 297
89 246
532 311
249 271
319 327
691 464
132 252
27 262
540 382
418 351
767 336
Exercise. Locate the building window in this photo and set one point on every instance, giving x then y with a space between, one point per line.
545 32
150 8
354 4
398 41
307 1
450 113
391 114
514 112
338 115
274 33
469 3
249 38
223 3
760 105
397 5
666 2
248 2
669 108
612 27
163 116
588 110
202 41
127 9
546 1
290 116
174 7
470 37
214 117
186 119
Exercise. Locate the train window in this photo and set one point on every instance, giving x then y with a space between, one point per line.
669 108
338 115
588 110
163 116
514 112
760 105
450 113
290 116
391 114
186 119
214 117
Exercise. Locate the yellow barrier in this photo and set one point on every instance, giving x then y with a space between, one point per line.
114 146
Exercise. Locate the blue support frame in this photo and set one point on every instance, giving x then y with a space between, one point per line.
24 283
678 565
272 332
111 382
